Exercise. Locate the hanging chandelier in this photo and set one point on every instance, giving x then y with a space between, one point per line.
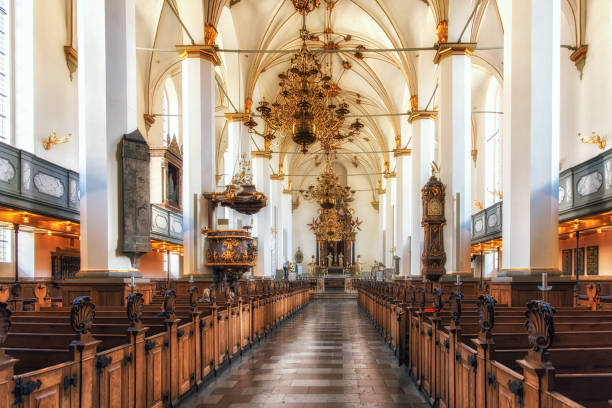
328 191
305 6
307 107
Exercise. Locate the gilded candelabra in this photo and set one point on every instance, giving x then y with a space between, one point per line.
53 140
595 139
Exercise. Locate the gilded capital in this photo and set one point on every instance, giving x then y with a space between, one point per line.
447 49
206 52
418 115
236 116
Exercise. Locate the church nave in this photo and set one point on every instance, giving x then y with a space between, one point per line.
327 356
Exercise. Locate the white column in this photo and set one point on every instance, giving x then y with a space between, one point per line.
199 166
531 136
107 111
263 219
382 227
455 70
23 72
423 139
403 211
391 221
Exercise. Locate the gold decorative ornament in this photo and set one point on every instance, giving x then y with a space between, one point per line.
496 193
595 139
442 32
307 107
230 253
305 6
210 34
53 140
328 191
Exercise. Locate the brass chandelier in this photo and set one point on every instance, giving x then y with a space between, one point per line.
328 191
307 106
305 6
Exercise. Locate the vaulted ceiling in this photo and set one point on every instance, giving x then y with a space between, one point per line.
373 83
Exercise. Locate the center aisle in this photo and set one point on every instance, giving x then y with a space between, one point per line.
327 356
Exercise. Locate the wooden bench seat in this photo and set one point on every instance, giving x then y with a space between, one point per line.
60 340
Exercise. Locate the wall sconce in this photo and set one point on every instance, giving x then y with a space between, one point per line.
593 139
54 140
496 193
477 204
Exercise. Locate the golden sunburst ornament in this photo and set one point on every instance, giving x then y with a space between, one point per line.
305 6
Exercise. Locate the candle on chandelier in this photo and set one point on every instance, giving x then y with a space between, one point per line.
544 280
458 280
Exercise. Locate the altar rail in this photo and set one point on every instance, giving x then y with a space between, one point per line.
165 355
473 353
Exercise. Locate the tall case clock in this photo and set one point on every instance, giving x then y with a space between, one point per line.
433 258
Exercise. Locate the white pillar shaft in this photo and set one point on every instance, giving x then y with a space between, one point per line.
107 111
455 159
531 135
199 166
403 212
423 139
263 219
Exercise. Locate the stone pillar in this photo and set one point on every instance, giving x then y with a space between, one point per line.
107 111
455 101
403 209
531 137
263 219
423 139
199 166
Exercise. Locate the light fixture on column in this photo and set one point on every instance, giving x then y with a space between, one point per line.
53 140
595 139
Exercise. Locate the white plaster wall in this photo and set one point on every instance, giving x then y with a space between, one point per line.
55 95
586 104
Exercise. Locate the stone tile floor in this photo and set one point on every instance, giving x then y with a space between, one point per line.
327 356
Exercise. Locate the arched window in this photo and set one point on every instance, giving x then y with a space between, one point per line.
5 81
165 122
170 111
493 144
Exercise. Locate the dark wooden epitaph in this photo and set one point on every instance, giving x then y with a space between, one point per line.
136 202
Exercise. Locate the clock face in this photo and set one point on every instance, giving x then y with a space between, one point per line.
434 208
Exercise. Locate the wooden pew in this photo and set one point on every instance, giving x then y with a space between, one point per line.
460 363
89 369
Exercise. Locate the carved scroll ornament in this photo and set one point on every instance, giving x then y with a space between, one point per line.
135 308
5 322
486 314
82 314
455 306
168 305
193 298
540 325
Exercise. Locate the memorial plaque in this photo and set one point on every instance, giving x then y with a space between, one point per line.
592 260
136 218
